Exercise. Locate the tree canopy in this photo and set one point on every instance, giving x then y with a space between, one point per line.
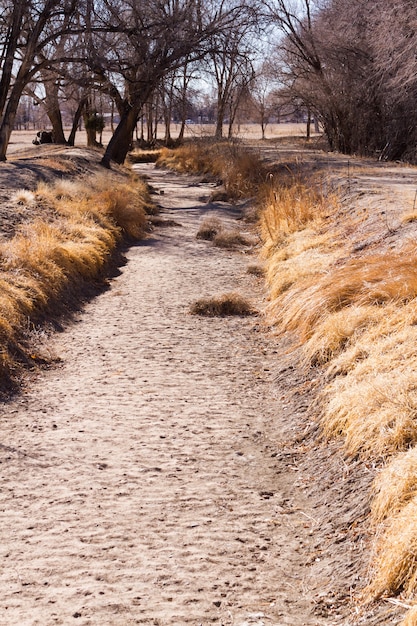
350 65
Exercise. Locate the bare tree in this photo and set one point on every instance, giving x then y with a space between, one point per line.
229 62
262 94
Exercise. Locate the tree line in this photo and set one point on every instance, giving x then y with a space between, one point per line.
351 66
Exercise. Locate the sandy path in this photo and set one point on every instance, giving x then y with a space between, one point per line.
138 479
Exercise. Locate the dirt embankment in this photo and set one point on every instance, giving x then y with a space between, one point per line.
168 471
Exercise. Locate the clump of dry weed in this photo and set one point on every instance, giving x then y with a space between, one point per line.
209 228
227 304
230 239
256 269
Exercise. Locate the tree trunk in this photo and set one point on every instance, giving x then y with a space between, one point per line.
308 128
9 116
168 137
220 120
10 46
52 106
181 134
76 121
55 117
119 144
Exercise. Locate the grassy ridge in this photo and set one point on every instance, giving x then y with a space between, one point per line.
356 318
49 265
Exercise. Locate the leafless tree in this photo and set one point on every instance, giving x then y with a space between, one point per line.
262 95
230 63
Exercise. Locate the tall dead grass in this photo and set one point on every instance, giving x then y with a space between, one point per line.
395 565
357 319
48 265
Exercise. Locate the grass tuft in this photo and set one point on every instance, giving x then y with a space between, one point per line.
396 556
395 486
209 228
255 269
230 239
227 304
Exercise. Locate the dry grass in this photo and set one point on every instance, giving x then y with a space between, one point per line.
24 197
209 228
371 280
256 269
395 486
337 331
303 256
47 266
240 171
396 556
231 239
357 317
373 398
143 156
222 306
290 208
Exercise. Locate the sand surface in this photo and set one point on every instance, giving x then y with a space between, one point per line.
139 481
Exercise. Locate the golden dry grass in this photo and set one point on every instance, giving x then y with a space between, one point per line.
395 564
222 306
372 280
395 486
290 207
372 399
49 263
143 156
357 318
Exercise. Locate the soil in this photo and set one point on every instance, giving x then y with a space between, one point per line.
169 470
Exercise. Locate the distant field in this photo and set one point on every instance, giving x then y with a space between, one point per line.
22 138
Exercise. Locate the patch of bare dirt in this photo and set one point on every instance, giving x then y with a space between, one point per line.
170 471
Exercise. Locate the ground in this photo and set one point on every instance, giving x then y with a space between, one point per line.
169 469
